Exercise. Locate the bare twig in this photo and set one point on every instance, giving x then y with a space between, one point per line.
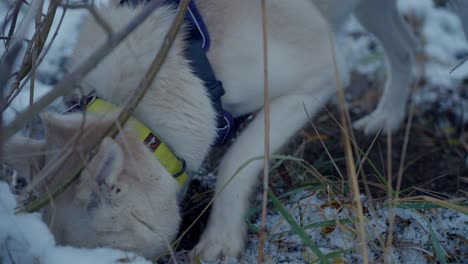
28 18
37 41
349 158
266 109
16 42
12 96
404 150
14 19
41 38
34 59
393 200
6 67
389 239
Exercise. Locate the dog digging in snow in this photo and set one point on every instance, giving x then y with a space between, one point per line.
126 197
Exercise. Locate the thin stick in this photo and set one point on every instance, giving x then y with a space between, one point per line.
16 43
6 67
349 157
266 158
389 239
393 200
34 58
13 22
37 42
404 150
41 37
44 53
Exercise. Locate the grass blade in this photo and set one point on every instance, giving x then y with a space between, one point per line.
439 250
295 226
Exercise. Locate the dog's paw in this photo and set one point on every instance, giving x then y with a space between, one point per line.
219 242
387 119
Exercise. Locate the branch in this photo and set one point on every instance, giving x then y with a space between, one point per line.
41 38
21 83
14 19
36 43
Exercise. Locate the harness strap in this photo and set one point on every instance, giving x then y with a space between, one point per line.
197 21
202 68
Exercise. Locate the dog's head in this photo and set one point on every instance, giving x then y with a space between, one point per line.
124 198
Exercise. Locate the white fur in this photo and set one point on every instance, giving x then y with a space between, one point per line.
302 79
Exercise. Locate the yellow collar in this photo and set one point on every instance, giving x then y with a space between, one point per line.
174 165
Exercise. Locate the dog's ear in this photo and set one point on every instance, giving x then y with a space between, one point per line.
109 163
24 155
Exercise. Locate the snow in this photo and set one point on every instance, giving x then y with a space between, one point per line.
24 238
444 50
411 232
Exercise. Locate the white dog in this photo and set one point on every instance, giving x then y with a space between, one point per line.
123 201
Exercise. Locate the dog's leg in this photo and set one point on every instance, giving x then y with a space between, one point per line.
226 230
382 19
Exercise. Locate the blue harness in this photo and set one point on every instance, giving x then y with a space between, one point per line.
199 44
